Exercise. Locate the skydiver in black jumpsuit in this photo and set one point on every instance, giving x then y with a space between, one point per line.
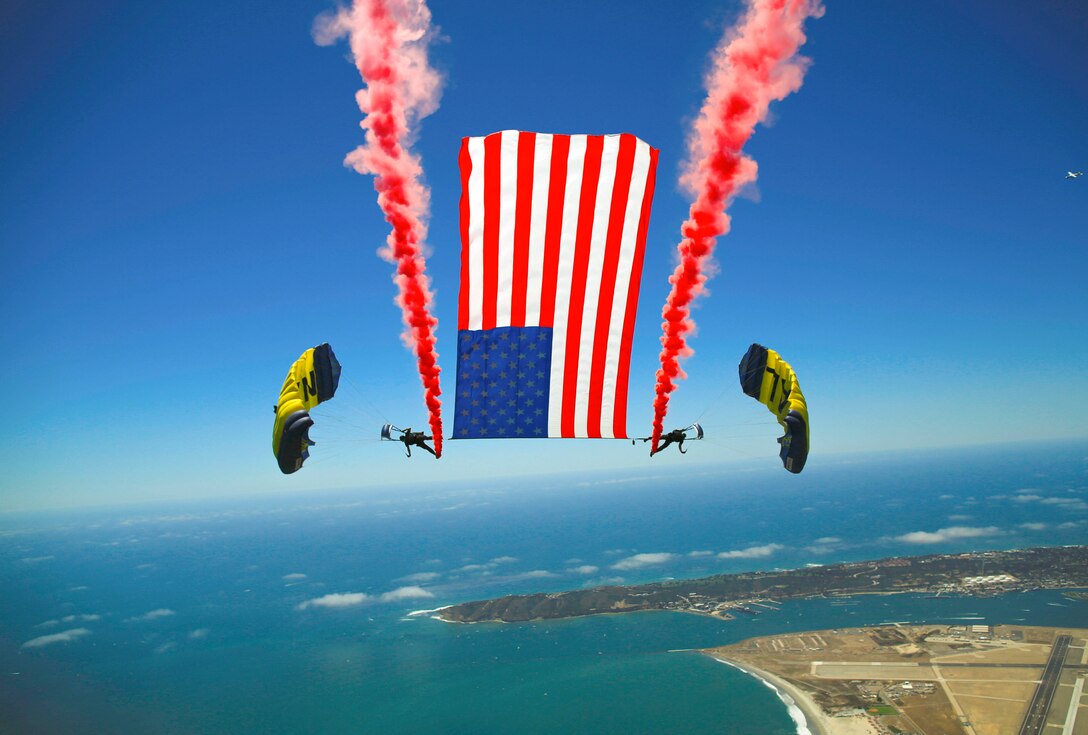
676 436
416 439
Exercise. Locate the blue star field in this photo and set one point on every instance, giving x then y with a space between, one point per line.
503 383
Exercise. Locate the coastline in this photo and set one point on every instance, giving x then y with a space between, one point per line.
815 722
418 613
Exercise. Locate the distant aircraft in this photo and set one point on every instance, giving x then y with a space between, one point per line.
1073 174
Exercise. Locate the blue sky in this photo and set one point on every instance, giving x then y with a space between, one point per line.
177 227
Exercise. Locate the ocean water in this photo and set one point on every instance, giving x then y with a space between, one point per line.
289 615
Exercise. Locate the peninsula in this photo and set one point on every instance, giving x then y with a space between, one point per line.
983 573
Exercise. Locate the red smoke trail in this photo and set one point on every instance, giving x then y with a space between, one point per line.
389 43
755 64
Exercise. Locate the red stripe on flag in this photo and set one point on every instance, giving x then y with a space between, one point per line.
492 206
557 184
619 428
464 161
582 242
625 162
523 212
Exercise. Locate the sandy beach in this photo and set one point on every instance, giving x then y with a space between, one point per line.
815 721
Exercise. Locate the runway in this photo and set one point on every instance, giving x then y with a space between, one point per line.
1039 707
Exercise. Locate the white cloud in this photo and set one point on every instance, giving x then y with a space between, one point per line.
161 612
604 581
959 517
294 577
825 545
66 637
168 646
420 577
336 599
1033 526
86 618
405 593
584 569
472 568
697 554
536 574
488 566
36 559
198 634
638 561
947 534
752 552
1071 503
946 497
1031 496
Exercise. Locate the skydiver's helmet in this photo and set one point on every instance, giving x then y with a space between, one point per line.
794 443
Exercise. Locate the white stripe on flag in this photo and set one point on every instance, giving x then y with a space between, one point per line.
575 166
508 198
542 163
475 283
639 175
599 233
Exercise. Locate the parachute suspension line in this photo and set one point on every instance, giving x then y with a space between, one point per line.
342 421
375 412
324 458
718 442
741 423
714 403
737 436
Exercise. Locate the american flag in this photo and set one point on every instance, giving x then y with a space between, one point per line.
553 230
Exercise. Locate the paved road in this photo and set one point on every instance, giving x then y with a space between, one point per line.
1039 707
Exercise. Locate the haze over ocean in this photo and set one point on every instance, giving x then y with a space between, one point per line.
289 614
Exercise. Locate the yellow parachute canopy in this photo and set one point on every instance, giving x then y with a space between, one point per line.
770 380
310 381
